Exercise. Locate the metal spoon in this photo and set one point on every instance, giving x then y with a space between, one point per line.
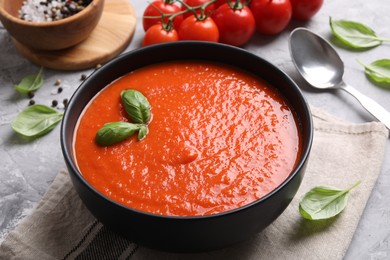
322 68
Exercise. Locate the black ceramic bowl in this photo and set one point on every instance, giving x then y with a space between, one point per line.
198 233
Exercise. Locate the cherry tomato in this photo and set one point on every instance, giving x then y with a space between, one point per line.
194 3
202 30
271 16
236 24
218 3
156 8
158 34
305 9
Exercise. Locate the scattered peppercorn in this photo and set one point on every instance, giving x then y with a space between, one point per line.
83 76
57 83
60 90
54 103
30 94
65 102
31 102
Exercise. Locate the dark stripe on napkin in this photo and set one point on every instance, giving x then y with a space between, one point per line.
105 245
99 242
74 249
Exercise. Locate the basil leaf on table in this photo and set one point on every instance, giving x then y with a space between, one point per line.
378 71
324 202
112 133
30 83
354 35
136 106
36 121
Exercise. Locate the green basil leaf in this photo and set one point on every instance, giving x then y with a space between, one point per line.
36 121
112 133
378 72
30 83
143 131
324 202
136 106
354 35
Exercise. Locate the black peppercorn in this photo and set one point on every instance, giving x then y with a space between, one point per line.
30 94
47 11
65 102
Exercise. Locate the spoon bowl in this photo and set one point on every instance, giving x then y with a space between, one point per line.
315 59
320 65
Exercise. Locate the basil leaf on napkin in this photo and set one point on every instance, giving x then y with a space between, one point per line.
378 72
112 133
36 121
324 202
354 35
136 106
30 83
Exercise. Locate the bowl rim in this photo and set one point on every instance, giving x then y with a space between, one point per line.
298 167
63 21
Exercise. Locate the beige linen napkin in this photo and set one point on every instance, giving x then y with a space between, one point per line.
62 228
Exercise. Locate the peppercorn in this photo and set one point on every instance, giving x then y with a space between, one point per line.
59 90
83 76
30 94
31 102
65 102
47 11
57 82
54 103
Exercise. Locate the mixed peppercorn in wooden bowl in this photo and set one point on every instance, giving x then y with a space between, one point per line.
50 10
56 25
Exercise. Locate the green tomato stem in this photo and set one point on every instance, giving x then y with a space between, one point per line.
193 9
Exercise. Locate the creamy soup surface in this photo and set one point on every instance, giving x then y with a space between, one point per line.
219 138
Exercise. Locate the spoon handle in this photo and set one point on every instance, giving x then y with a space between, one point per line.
370 105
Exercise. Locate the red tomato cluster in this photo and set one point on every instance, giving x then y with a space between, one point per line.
226 21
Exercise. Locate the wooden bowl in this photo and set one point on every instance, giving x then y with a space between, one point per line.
53 35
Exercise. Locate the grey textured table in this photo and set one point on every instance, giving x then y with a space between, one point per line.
28 168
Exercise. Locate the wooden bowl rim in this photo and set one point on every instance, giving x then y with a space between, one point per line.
86 11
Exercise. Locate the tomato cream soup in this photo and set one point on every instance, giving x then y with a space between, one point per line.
219 138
